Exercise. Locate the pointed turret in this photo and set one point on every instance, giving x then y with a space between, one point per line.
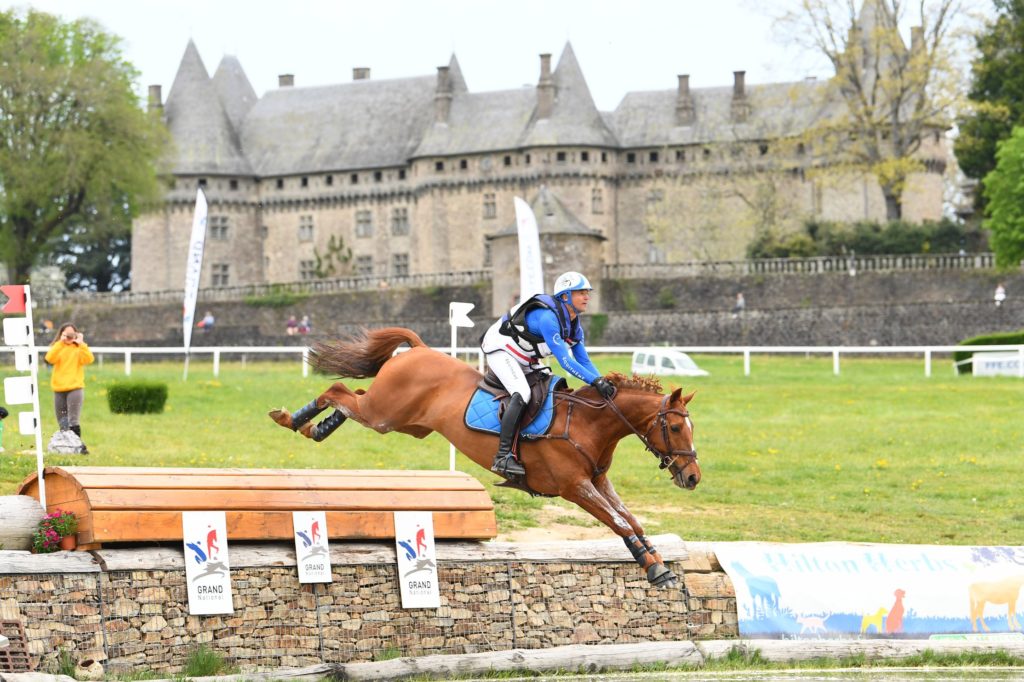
234 89
455 75
573 117
205 140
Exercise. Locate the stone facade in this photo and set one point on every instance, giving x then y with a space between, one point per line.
138 619
418 175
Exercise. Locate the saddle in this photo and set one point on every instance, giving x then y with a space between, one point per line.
539 386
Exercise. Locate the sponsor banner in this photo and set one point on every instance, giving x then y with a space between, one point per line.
994 363
417 564
311 552
194 266
207 569
841 589
531 272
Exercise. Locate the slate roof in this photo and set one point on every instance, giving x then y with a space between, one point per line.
234 90
205 140
552 218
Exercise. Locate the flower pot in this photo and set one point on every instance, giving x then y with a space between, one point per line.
68 542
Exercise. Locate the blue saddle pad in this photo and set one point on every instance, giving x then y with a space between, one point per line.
482 413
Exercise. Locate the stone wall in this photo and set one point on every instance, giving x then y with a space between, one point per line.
937 307
130 610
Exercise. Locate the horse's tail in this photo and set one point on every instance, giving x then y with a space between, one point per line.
361 355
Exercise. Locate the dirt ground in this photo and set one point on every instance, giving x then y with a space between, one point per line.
559 523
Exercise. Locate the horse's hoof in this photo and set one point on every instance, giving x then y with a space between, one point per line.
282 417
660 576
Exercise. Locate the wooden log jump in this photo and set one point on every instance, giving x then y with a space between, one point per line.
137 504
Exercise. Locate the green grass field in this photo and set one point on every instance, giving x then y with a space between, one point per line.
790 453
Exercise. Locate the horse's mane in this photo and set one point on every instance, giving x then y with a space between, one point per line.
647 384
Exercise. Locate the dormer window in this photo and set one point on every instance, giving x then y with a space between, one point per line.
630 157
280 183
305 181
653 157
353 179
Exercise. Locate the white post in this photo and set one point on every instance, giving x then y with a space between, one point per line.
928 363
835 362
305 362
127 363
458 316
34 369
216 363
746 362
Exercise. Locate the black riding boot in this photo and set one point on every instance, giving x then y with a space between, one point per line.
77 430
505 463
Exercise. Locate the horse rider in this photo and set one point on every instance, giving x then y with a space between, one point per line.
540 326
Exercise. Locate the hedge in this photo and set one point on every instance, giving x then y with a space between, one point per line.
994 339
137 397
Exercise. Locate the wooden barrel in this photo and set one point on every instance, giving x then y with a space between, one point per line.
129 504
21 515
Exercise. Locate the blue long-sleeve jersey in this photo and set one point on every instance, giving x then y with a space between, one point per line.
573 358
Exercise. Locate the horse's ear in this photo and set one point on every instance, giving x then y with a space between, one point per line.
688 398
674 398
677 396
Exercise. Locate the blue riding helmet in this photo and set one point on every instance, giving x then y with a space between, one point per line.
571 281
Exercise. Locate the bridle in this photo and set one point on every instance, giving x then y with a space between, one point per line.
667 458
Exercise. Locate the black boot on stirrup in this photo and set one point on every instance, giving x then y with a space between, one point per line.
505 463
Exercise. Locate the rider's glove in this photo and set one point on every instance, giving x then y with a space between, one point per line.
604 387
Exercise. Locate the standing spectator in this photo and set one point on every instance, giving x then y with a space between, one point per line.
206 324
305 326
69 355
1000 294
291 327
739 306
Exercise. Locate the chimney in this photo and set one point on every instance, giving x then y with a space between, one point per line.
361 73
285 80
740 108
156 102
443 95
916 39
545 89
684 102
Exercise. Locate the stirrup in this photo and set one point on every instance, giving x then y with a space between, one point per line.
508 465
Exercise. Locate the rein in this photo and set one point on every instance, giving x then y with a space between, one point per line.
665 459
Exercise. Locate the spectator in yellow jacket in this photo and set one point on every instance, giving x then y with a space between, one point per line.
69 355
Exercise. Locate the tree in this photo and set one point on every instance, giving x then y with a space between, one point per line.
73 140
95 255
1004 192
997 90
892 98
335 262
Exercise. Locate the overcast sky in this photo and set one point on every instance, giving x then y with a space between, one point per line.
622 45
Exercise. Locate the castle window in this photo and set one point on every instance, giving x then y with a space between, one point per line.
400 264
585 157
364 223
653 157
439 166
490 206
801 149
597 200
364 265
220 274
527 159
604 157
488 261
400 221
630 157
401 174
219 228
305 181
329 180
680 155
280 183
508 160
707 153
560 157
763 148
202 182
307 270
463 164
353 179
233 184
305 228
378 176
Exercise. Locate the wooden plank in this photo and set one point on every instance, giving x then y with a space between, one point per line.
291 500
12 562
309 481
234 471
140 526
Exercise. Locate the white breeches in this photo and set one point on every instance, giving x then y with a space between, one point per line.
510 372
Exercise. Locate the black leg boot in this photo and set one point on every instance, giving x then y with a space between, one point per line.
505 463
77 430
304 414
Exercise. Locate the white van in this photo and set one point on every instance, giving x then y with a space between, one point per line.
665 361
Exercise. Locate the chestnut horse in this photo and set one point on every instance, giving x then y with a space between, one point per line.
423 390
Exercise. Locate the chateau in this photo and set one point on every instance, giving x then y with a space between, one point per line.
417 175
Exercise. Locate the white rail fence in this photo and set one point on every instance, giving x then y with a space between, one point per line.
302 353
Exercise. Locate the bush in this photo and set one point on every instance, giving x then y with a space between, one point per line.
137 397
822 238
277 297
994 339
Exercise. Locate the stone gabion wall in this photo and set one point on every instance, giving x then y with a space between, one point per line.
134 620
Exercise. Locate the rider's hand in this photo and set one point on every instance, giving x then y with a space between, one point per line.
604 387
